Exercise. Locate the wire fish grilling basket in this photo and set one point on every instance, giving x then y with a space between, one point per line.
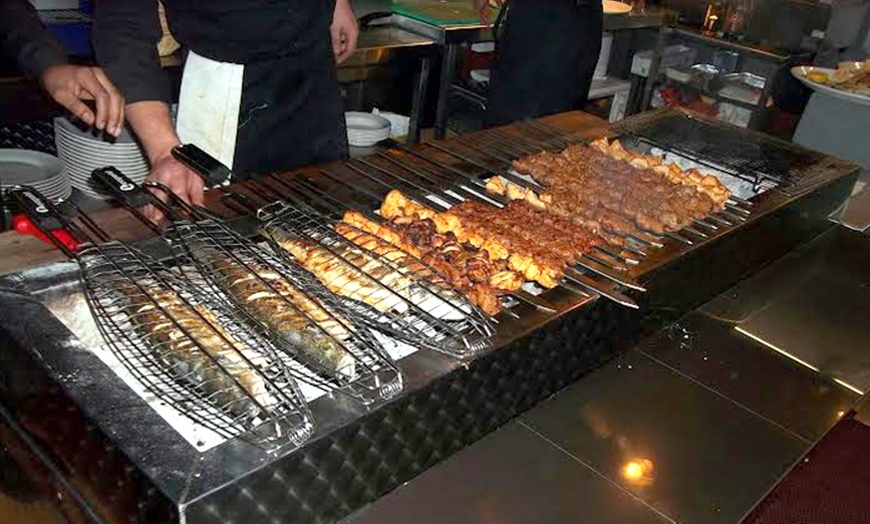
388 289
320 340
410 301
187 350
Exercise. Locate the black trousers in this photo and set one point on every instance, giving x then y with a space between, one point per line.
291 113
545 58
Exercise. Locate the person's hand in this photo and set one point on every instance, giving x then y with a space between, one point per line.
68 85
484 9
344 30
186 184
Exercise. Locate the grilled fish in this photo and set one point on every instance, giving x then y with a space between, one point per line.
347 272
352 272
446 304
191 342
288 313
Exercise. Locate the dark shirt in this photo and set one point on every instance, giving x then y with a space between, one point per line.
240 31
25 39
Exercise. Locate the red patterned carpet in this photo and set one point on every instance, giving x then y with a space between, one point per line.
830 486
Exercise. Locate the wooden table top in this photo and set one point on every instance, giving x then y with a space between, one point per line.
19 252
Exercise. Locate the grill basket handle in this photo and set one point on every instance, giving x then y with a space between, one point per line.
209 168
122 187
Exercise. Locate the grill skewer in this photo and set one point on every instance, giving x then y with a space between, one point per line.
591 263
339 206
419 193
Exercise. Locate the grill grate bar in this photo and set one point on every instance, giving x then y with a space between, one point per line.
751 156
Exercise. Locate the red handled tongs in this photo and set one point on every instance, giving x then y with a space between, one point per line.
52 223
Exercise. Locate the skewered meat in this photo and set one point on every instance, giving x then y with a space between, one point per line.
496 239
560 202
463 266
369 276
312 333
707 184
193 345
341 270
598 180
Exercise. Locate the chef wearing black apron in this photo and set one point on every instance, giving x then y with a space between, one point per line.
546 54
289 113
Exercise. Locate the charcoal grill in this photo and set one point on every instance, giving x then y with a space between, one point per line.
359 453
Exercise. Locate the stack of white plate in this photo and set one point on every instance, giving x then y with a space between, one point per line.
82 152
45 173
366 129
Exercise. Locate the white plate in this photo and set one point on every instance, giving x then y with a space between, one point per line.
22 166
64 145
94 147
64 125
612 7
366 129
801 72
365 121
93 160
76 164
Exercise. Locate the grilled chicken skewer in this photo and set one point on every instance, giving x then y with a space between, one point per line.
387 284
346 275
190 341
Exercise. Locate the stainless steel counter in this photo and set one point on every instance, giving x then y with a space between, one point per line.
452 29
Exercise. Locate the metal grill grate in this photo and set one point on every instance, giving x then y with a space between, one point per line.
407 299
193 354
751 156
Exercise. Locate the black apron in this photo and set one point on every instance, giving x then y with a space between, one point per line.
545 57
291 112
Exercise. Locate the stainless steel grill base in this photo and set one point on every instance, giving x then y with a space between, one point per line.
359 454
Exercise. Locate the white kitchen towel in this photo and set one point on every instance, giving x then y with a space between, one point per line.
209 104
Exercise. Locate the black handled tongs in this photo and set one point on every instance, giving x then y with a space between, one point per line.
49 218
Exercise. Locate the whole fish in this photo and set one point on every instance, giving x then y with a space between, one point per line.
349 271
312 333
191 342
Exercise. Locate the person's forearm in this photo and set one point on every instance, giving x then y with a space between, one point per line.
152 123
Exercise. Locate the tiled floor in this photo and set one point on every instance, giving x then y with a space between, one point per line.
710 456
511 476
812 305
